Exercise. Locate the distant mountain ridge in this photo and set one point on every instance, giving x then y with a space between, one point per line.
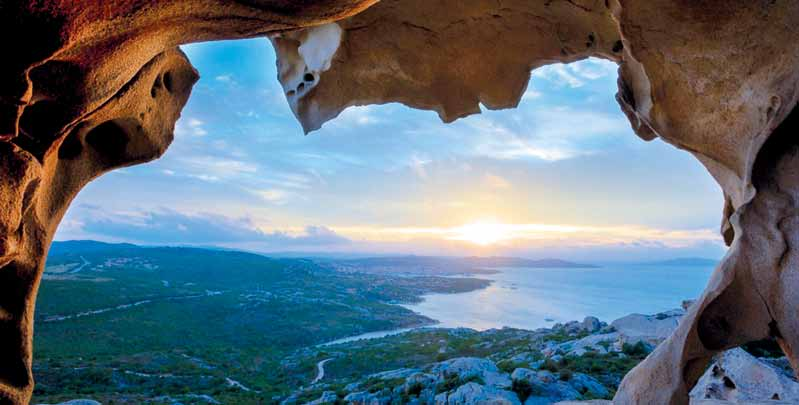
81 246
477 261
85 246
684 261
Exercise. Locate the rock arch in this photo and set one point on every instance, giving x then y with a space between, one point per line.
88 86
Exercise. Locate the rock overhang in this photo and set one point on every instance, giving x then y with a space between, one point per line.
97 86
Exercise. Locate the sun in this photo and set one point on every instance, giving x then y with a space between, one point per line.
482 233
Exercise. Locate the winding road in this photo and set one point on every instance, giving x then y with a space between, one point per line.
320 374
82 266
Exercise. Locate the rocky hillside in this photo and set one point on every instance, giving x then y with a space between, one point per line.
577 361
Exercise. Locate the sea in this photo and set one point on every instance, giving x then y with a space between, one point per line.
530 298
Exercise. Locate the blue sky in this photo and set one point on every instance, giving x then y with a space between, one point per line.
561 175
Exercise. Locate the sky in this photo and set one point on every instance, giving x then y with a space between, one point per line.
562 175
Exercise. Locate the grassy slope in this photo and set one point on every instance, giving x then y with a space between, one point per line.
265 309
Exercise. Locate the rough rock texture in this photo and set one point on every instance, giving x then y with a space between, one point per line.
91 86
548 388
649 328
468 367
738 376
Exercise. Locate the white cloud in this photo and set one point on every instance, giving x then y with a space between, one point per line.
357 116
576 74
417 164
274 195
211 168
531 94
190 126
551 134
226 78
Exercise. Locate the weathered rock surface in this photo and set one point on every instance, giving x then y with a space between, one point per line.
80 402
327 398
362 398
94 86
473 393
738 376
548 388
470 367
649 328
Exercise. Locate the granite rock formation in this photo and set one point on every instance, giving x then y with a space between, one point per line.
89 86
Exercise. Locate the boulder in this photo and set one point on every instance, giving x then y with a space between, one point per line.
416 380
652 329
328 397
587 385
546 387
362 398
738 376
602 343
476 394
395 374
80 402
469 367
591 324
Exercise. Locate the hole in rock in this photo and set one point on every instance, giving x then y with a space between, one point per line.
157 84
251 245
71 146
110 139
168 83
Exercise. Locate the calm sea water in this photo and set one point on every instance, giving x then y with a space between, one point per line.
530 298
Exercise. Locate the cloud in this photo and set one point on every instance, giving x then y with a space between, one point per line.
212 168
496 182
190 126
227 78
417 165
576 74
166 226
357 116
545 133
274 195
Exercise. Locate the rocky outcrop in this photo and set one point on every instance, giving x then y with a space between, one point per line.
649 328
546 388
91 86
327 398
738 376
465 368
473 393
627 330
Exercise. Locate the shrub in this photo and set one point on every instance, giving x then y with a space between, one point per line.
522 388
549 365
415 389
639 349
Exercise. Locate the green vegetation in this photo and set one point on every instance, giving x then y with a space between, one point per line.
523 389
764 348
202 322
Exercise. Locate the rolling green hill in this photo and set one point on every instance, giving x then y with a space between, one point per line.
129 324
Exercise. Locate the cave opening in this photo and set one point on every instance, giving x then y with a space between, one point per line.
377 181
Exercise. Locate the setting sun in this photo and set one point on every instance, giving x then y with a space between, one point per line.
483 233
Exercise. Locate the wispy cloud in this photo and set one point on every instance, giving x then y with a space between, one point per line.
576 75
510 234
417 165
274 195
212 168
190 126
166 226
